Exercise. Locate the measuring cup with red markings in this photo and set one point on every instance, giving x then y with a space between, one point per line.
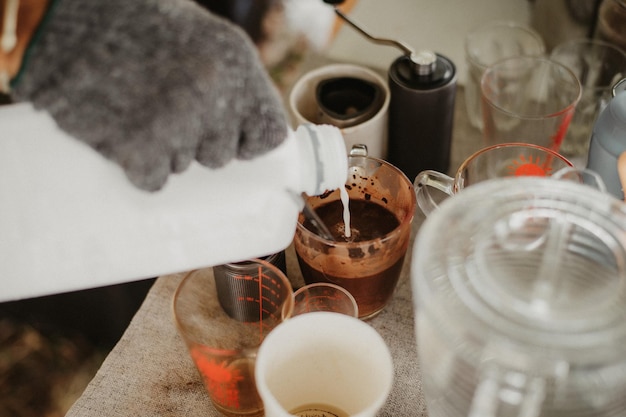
223 341
497 161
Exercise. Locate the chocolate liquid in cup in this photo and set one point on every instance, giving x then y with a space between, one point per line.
368 221
367 263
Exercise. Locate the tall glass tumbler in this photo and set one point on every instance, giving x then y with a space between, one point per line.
598 66
528 99
488 44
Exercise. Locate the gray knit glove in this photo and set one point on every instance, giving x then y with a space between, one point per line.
152 85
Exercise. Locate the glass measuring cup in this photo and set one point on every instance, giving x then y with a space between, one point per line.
497 161
223 345
368 264
324 296
520 294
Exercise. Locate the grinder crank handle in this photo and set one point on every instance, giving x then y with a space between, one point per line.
408 51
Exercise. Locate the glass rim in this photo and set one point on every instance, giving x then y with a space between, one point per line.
406 221
588 42
470 159
339 288
286 309
503 24
532 60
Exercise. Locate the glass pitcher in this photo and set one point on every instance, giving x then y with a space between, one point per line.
520 294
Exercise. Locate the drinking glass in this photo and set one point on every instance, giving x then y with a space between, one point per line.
367 264
223 335
497 161
323 296
528 99
488 44
598 66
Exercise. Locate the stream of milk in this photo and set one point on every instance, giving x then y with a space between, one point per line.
345 199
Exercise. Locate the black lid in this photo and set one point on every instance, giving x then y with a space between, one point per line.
427 72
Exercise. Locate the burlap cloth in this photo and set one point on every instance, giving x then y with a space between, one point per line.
150 373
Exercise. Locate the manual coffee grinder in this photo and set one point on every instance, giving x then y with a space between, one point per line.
421 110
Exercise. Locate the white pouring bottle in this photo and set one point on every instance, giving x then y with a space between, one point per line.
70 220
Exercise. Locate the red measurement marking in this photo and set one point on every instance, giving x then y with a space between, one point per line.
557 138
220 381
525 166
260 274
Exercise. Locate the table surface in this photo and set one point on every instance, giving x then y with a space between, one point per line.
150 373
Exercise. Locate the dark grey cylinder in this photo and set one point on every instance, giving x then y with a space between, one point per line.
239 298
421 114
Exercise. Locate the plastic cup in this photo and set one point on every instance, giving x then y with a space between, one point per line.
324 364
223 346
369 262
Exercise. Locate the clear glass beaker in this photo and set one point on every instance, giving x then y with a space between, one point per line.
520 293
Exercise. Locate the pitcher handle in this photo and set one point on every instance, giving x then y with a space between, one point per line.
519 394
584 176
434 179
